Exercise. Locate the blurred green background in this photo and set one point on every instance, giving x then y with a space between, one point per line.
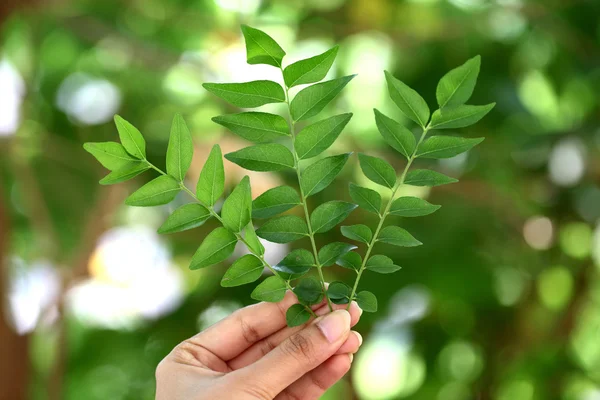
503 300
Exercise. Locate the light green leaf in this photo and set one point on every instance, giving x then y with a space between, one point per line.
377 170
161 190
212 178
248 94
261 48
309 291
367 301
425 177
446 146
408 100
244 270
180 150
408 206
126 172
284 229
236 209
216 247
351 260
320 174
309 70
263 157
455 88
339 292
186 217
360 233
395 134
131 138
316 138
459 116
330 253
311 100
111 155
295 264
398 237
368 199
297 315
254 243
329 214
275 201
382 265
256 127
271 290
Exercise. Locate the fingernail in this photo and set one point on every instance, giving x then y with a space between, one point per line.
334 325
360 310
360 339
351 357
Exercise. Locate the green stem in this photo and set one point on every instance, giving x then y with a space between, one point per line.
384 215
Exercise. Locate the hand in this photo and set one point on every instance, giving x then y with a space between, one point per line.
253 355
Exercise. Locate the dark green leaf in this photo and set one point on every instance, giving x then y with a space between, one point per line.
368 199
309 70
316 138
131 138
339 292
275 201
412 207
297 315
126 172
398 237
180 150
311 100
455 88
284 229
381 264
408 100
446 146
263 157
244 270
459 116
261 48
329 214
111 155
395 134
320 174
161 190
216 247
329 253
351 260
309 291
186 217
248 94
377 170
425 177
256 127
271 290
236 209
367 301
360 233
212 178
295 264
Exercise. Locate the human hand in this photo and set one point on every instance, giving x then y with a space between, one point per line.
253 355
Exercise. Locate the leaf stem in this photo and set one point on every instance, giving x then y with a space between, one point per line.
384 215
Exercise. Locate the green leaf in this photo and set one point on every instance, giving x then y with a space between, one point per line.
248 94
216 247
261 48
295 264
320 174
297 315
180 150
126 172
456 87
275 201
395 134
186 217
284 229
131 138
161 190
425 177
377 170
408 206
309 291
309 70
254 243
329 214
446 146
212 178
311 100
329 253
398 237
367 199
263 157
367 301
360 233
459 116
236 209
244 270
351 260
339 292
271 290
382 265
256 127
111 155
316 138
408 100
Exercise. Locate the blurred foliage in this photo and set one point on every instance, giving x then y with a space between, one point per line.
502 302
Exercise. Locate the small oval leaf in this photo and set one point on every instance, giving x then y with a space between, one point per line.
377 170
284 229
244 270
263 157
216 247
161 190
271 290
186 217
329 214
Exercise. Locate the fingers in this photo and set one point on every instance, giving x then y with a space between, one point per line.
352 344
264 346
312 385
296 356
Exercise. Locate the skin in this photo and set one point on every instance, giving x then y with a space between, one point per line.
253 355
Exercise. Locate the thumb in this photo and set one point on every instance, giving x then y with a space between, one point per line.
297 355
